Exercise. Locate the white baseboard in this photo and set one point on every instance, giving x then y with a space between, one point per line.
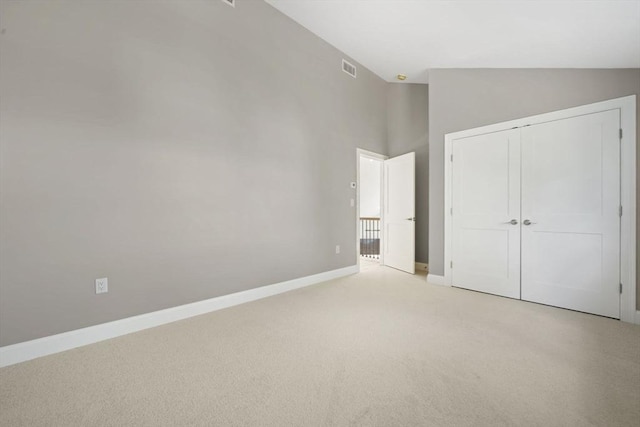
436 280
637 322
21 352
421 266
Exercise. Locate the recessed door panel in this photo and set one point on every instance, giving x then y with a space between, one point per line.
473 253
571 223
578 253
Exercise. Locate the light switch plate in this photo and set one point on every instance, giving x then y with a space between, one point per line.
102 285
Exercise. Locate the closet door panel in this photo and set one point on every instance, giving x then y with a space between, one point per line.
486 198
571 197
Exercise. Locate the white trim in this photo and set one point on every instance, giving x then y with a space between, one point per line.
422 266
371 154
375 156
628 200
627 107
28 350
448 152
436 280
637 317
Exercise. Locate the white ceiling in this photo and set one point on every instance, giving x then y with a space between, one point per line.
412 36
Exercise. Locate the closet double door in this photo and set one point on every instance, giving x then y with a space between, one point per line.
535 213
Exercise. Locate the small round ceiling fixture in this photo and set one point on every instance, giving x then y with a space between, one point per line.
401 77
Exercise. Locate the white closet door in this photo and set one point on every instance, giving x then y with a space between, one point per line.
486 213
571 196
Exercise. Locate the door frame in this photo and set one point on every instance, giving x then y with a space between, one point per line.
627 107
361 153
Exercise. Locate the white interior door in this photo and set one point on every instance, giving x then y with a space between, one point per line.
399 212
486 213
570 213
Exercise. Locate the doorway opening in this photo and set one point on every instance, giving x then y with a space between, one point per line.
370 200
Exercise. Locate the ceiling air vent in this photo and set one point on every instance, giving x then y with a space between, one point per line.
231 3
349 68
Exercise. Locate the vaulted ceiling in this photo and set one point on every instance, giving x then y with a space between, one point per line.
410 37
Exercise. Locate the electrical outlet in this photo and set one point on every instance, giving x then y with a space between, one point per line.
337 249
353 203
102 285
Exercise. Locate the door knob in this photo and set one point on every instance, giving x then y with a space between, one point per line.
411 219
512 222
527 222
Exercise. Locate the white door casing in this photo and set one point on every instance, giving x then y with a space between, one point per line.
570 201
399 212
486 213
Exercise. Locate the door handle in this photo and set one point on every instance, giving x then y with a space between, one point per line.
411 219
512 222
527 222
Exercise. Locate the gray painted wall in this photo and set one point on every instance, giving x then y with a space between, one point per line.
408 129
463 99
184 150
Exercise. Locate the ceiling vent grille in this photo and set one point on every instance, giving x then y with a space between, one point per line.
349 68
231 3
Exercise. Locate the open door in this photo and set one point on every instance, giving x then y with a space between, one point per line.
399 212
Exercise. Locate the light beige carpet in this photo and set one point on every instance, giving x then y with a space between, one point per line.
379 348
